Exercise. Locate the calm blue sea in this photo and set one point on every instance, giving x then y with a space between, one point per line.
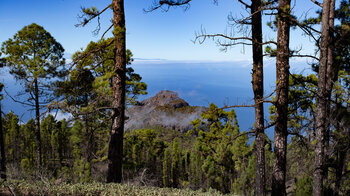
204 83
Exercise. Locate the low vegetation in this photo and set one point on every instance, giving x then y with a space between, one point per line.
93 189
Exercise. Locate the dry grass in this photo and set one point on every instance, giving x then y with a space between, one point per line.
16 187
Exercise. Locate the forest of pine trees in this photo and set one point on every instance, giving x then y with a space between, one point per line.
310 114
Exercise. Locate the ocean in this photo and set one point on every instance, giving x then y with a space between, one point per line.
198 83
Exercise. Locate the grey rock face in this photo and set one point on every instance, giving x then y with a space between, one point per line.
165 109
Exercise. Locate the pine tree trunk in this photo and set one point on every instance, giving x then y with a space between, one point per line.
115 151
321 103
258 88
341 156
2 150
332 76
37 126
282 77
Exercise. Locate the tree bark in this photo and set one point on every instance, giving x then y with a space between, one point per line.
258 88
37 126
115 151
2 151
321 102
332 76
282 80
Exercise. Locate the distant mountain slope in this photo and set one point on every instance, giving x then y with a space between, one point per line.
166 109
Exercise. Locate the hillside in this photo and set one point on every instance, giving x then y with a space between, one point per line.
165 109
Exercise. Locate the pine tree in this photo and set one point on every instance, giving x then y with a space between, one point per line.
281 104
166 159
33 56
175 164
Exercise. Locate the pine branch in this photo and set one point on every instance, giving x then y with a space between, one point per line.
84 55
92 16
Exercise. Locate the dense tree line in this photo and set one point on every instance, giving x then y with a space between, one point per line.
217 156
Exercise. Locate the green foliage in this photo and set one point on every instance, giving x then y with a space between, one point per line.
11 130
302 103
81 168
28 147
342 44
78 90
33 54
98 57
225 153
87 96
304 186
175 163
300 149
47 126
166 177
272 52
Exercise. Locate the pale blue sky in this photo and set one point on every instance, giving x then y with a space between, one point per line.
156 35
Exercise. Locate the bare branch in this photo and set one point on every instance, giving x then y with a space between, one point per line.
317 3
166 4
262 100
245 4
267 7
305 56
307 29
17 101
201 38
109 28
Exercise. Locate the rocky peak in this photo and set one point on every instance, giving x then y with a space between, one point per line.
165 98
165 109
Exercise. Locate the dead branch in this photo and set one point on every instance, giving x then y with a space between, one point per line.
304 56
267 7
11 190
201 38
165 5
109 28
59 106
317 3
307 29
17 101
245 4
262 100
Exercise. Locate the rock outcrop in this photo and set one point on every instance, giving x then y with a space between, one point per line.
165 109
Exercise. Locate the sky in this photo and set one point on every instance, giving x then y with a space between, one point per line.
155 35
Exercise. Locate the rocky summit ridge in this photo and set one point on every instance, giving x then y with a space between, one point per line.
165 109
